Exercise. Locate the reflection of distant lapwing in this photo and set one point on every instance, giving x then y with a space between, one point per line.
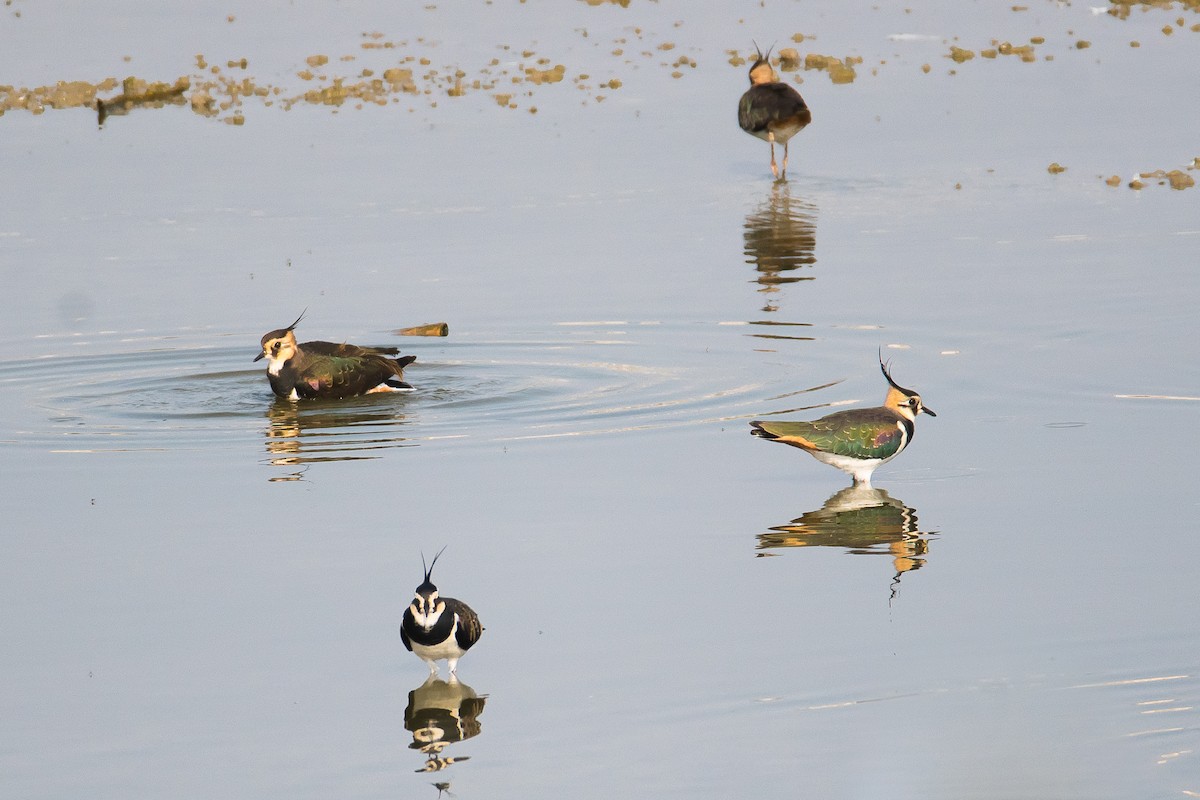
855 441
771 110
438 627
329 370
780 238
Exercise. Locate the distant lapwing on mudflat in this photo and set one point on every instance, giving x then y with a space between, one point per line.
436 627
328 370
855 441
772 110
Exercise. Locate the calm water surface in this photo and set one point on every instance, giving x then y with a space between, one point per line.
202 585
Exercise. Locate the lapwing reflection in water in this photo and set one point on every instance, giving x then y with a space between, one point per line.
862 520
344 430
781 238
441 713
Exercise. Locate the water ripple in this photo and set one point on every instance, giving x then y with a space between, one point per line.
585 380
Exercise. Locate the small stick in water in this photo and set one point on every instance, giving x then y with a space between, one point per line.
432 329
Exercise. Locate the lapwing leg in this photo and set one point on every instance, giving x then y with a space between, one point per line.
452 663
785 145
432 667
771 140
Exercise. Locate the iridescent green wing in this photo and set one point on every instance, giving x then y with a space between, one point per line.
346 350
358 374
860 433
344 376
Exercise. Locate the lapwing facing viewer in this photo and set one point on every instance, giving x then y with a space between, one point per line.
328 370
436 627
772 110
855 441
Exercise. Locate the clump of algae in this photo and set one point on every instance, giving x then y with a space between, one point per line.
540 76
840 71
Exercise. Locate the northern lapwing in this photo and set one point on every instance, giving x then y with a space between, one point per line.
436 627
855 441
772 110
328 370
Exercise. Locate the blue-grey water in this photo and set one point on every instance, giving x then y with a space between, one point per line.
202 585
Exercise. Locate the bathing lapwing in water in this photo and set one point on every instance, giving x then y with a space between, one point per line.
772 110
855 441
328 370
436 627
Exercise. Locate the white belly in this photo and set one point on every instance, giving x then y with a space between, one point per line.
846 463
447 649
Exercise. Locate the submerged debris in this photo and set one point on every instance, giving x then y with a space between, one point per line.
540 76
1176 179
1121 9
789 59
140 94
327 80
840 71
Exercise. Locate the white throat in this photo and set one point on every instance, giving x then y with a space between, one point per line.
275 365
427 621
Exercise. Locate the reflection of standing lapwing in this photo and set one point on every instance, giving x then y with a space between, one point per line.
440 714
855 441
437 627
328 370
771 110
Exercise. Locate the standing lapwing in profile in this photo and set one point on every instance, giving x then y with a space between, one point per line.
328 370
855 441
772 110
436 627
